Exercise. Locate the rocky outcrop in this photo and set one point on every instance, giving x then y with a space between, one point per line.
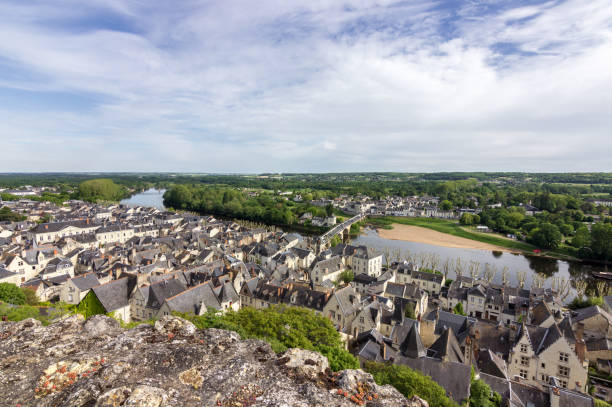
96 363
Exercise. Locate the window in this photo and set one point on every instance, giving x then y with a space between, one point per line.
544 378
563 357
524 360
543 365
523 373
361 320
564 371
524 348
563 383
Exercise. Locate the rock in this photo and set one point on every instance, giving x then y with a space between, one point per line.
101 325
172 364
170 325
306 362
146 396
114 397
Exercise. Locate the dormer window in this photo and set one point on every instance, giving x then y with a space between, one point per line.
524 348
563 357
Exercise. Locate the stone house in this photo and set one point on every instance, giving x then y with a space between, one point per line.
541 353
77 288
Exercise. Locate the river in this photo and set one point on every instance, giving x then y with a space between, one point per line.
151 197
515 262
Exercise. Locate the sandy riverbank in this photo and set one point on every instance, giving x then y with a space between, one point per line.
428 236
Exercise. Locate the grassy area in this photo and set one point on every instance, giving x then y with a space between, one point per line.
44 314
451 228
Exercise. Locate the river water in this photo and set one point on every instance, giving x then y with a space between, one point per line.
151 198
515 262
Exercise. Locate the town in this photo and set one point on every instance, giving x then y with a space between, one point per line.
142 263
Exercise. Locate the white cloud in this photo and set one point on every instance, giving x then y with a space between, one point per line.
321 86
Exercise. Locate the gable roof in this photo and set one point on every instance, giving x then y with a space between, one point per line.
115 294
447 348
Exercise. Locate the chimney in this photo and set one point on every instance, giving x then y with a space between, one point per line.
46 226
580 344
55 252
87 221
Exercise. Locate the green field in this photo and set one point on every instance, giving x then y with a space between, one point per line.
452 228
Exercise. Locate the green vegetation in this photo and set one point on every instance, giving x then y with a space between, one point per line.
101 190
601 403
584 302
90 305
12 294
44 314
229 202
409 382
7 215
481 395
347 276
459 309
283 327
409 311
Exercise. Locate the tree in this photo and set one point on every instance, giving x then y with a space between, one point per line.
481 395
100 189
459 309
7 215
466 219
601 240
546 236
446 205
12 294
30 296
582 238
347 276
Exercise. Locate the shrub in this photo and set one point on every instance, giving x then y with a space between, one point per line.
409 382
12 294
283 327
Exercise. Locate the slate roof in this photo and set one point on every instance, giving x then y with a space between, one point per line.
453 377
540 313
447 348
85 281
412 346
194 299
158 292
490 363
115 294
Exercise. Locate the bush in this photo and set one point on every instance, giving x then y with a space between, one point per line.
30 296
283 327
409 382
459 309
585 302
12 294
481 395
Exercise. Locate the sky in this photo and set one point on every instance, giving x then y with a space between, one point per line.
305 86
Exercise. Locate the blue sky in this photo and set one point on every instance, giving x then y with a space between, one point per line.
319 85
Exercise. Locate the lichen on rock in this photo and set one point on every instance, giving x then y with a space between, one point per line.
97 363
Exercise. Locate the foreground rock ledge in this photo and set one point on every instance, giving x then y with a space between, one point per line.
96 363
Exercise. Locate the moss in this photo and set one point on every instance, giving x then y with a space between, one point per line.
90 305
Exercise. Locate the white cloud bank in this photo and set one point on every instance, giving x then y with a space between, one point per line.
227 86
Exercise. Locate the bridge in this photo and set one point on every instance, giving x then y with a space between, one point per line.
342 228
